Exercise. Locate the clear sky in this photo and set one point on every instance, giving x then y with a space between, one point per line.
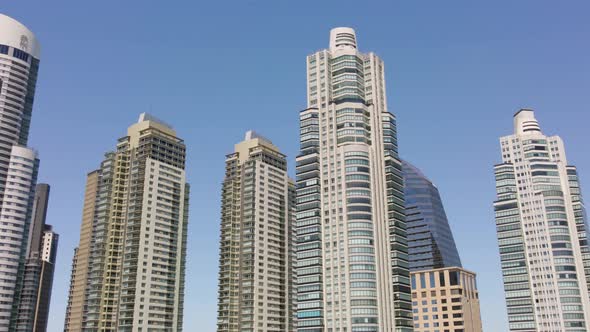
456 73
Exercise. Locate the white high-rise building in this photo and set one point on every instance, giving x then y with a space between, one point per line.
19 64
542 228
15 215
352 270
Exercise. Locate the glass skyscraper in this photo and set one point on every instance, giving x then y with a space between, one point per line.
542 232
351 247
430 241
444 295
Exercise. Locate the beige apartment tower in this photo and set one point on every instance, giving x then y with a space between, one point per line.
445 300
256 259
128 271
77 293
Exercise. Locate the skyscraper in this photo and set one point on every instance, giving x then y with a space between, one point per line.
132 266
542 232
430 241
80 263
444 295
19 56
256 260
33 308
352 254
19 59
15 216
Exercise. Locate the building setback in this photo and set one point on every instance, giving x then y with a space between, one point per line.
352 270
133 269
256 257
542 232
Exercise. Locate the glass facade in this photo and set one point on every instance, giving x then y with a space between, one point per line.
430 241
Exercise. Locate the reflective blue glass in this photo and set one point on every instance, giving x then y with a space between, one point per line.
430 242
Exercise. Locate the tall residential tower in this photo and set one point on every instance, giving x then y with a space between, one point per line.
542 232
128 271
33 309
256 260
19 60
352 270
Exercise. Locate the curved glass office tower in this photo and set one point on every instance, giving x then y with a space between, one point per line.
351 239
430 242
542 232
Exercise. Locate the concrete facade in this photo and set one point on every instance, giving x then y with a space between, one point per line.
445 300
352 270
135 272
542 232
256 251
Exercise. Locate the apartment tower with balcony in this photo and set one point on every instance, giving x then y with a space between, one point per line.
352 269
35 296
128 273
19 60
542 232
256 272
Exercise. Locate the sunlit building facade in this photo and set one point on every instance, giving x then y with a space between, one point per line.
132 271
542 232
352 270
445 299
256 272
19 65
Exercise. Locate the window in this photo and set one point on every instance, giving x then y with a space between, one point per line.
20 54
454 278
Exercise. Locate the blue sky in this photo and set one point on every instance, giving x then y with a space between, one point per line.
456 73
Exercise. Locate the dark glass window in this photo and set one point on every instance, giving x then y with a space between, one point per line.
3 49
454 278
20 54
441 278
